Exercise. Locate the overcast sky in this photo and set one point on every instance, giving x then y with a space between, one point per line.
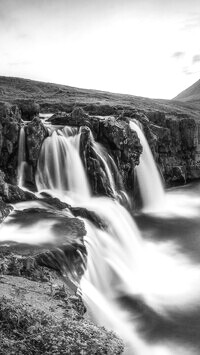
141 47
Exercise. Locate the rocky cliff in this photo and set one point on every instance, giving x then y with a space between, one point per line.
175 139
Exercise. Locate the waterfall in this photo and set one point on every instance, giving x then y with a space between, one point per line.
60 167
120 263
123 266
114 178
21 158
148 177
100 152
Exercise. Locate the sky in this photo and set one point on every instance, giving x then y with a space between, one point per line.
147 48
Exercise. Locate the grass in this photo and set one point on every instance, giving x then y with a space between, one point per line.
26 331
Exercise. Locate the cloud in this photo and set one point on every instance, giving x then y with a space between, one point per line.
187 71
178 55
18 63
192 22
196 58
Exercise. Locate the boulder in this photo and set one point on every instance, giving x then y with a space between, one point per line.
10 120
176 147
36 132
29 109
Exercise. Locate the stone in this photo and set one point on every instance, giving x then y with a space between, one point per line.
29 109
36 132
10 120
176 147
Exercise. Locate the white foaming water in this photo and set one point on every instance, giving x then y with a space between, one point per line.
60 168
120 263
21 158
134 262
149 180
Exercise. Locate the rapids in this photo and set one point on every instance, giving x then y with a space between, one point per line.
142 278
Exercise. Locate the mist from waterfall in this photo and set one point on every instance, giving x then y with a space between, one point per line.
21 158
149 180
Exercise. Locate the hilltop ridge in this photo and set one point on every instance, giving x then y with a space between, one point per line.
190 96
54 97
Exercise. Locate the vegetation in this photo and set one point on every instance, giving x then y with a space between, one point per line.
26 331
54 97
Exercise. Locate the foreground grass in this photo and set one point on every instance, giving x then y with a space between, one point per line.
25 330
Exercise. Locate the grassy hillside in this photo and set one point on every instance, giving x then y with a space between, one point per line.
190 96
52 97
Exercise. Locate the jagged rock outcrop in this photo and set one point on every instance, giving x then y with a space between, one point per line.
5 210
12 193
29 109
176 145
36 132
10 119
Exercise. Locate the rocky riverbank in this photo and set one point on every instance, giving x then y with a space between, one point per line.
41 311
41 314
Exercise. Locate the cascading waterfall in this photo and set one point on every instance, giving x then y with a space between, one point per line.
100 152
150 184
120 262
21 158
60 168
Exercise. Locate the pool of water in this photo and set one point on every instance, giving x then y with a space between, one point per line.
177 222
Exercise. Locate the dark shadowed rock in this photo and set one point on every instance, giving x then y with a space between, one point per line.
29 109
10 119
176 147
5 210
36 132
11 193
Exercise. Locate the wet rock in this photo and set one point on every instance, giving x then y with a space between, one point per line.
76 211
176 147
13 194
29 109
5 210
36 132
10 120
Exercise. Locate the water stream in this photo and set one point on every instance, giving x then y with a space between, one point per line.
21 158
60 168
149 180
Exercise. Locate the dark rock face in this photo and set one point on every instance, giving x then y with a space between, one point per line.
12 193
36 132
29 109
10 119
123 144
176 146
4 210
